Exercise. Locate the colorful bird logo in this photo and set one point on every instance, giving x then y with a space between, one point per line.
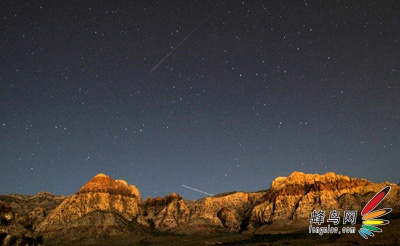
370 221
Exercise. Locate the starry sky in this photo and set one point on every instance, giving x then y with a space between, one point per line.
214 95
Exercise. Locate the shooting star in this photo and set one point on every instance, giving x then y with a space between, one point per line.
183 40
190 188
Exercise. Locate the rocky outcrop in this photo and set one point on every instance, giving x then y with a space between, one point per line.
165 213
23 205
224 212
291 199
102 183
113 199
19 216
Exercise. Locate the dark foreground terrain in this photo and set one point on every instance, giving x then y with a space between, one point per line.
389 236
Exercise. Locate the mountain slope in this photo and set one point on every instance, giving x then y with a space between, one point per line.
103 206
290 200
20 215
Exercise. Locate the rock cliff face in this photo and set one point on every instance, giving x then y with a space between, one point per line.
217 213
112 202
165 213
20 215
293 198
102 183
227 210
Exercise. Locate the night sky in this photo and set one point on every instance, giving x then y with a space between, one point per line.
215 95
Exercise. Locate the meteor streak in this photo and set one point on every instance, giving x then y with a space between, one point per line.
190 188
180 43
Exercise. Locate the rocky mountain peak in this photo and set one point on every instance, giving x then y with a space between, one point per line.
102 175
100 206
102 183
329 180
292 198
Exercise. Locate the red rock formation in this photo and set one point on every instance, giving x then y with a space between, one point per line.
293 198
102 183
103 195
224 212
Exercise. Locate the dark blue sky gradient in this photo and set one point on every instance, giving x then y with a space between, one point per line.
259 90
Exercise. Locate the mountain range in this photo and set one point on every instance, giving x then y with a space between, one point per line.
105 210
